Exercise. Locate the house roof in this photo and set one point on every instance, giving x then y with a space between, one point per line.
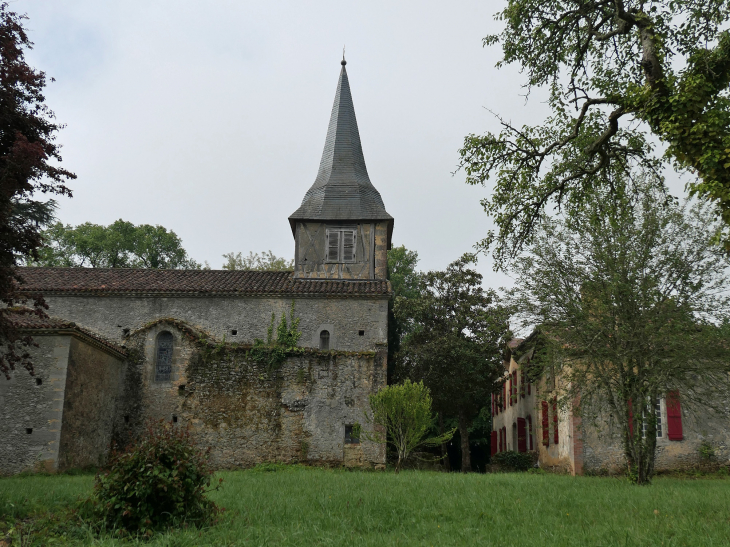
342 189
191 283
26 320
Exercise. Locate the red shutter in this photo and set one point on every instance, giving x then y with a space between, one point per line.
493 443
674 417
504 394
521 435
555 420
545 425
529 431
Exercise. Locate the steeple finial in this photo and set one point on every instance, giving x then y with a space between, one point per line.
343 62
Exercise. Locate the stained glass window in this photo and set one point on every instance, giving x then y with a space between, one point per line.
163 365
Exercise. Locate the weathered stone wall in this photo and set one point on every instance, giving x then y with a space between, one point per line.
94 381
248 414
604 453
63 416
25 405
112 316
370 252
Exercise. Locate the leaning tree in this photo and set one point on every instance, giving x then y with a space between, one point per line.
29 164
620 74
632 301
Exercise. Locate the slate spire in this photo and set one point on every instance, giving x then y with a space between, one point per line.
342 189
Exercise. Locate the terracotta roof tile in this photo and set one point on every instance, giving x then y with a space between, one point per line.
31 322
191 282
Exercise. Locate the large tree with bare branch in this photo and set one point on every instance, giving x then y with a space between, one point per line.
618 72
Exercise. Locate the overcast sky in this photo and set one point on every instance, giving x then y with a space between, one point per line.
209 118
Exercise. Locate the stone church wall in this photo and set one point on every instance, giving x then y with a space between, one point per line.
248 414
346 318
63 416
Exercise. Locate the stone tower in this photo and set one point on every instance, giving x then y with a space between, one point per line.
342 230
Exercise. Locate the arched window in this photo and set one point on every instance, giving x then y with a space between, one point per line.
163 357
324 340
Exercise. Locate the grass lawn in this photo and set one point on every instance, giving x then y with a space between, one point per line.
300 506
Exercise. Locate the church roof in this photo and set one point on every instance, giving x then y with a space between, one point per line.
190 283
342 189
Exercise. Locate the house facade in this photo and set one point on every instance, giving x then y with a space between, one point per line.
123 347
526 417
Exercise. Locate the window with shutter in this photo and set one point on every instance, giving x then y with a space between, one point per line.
529 432
333 246
493 443
545 425
521 435
341 244
674 417
348 245
555 420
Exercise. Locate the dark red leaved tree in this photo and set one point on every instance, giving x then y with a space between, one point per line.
29 158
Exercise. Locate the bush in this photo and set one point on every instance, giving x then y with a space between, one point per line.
515 461
159 481
402 414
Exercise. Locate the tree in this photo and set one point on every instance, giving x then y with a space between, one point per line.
29 163
404 279
119 245
266 261
403 416
632 302
455 346
618 72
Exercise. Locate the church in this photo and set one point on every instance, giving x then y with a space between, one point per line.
122 347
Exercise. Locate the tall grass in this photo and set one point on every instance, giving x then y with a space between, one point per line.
297 506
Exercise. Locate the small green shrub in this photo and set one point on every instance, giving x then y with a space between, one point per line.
157 482
516 461
708 452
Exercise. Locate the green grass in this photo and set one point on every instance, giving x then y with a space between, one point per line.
299 506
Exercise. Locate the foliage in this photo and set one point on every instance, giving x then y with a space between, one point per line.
455 344
159 481
119 245
29 163
618 73
273 351
517 461
404 279
632 301
402 416
266 261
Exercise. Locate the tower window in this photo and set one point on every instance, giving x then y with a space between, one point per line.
324 340
361 333
341 244
163 363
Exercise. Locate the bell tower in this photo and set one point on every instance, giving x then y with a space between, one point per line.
342 230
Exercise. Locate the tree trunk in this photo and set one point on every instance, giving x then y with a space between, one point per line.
444 449
464 433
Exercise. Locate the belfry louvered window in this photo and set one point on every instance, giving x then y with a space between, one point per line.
163 359
341 242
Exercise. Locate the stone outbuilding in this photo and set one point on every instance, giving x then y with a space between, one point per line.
126 346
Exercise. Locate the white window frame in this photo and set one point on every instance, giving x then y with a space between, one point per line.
661 420
341 233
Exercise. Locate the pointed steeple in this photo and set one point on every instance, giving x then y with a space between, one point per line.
342 190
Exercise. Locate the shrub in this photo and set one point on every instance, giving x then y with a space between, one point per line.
515 461
403 415
159 481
